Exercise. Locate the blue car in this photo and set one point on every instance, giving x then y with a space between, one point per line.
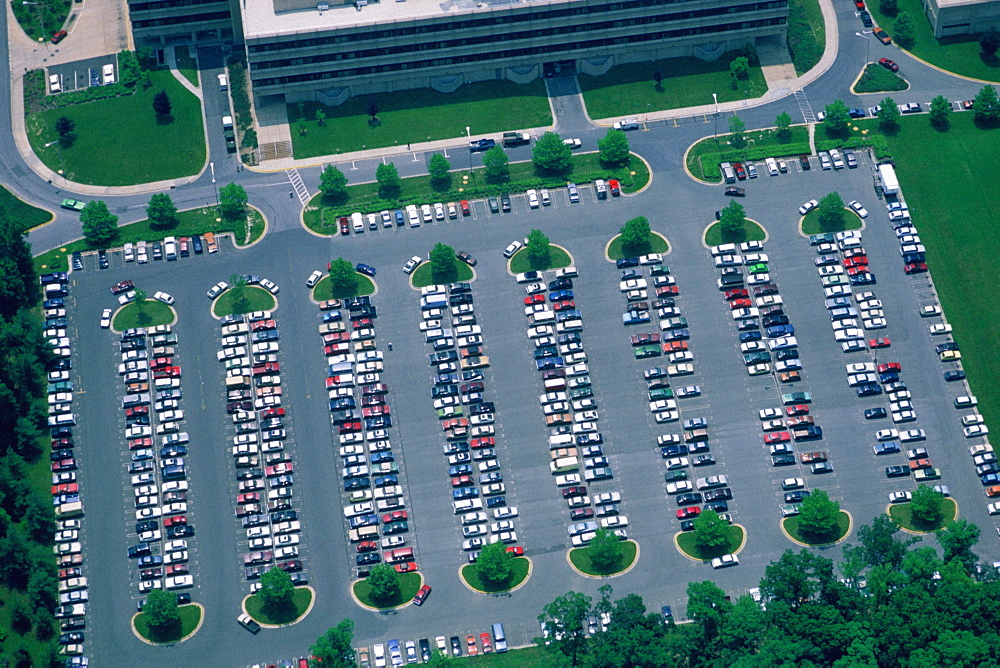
746 337
635 317
560 295
550 363
856 113
400 217
464 493
365 269
886 448
780 330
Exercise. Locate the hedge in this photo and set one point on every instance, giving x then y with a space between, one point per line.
710 161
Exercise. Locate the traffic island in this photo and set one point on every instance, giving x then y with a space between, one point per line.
190 623
657 244
148 313
579 560
324 289
409 585
254 299
810 224
520 572
558 258
751 231
790 525
687 544
902 514
423 276
875 78
282 615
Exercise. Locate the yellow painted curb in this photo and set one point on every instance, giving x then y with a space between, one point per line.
648 183
684 554
267 224
373 609
635 561
211 310
883 92
201 622
312 602
572 262
850 527
312 291
914 532
864 225
121 308
607 246
767 236
531 568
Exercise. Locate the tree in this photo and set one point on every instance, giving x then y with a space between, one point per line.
233 201
708 606
888 7
879 546
438 167
161 104
614 147
442 258
495 563
276 588
796 578
940 110
18 282
320 117
550 153
904 30
333 184
837 118
733 219
563 619
736 129
334 648
989 42
388 180
831 211
986 107
38 519
957 540
658 77
739 70
926 505
343 278
161 210
384 582
888 115
710 530
42 589
64 128
819 514
100 226
496 164
605 550
783 122
372 110
538 248
635 234
161 610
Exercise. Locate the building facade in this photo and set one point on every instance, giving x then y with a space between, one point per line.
950 18
163 22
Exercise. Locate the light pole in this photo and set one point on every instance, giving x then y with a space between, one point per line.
216 188
58 146
868 45
38 15
715 98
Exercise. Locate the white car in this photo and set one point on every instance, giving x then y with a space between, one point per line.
725 561
939 329
808 206
411 264
106 318
313 279
217 289
511 249
679 487
875 323
900 497
975 430
532 199
269 285
164 297
930 310
858 209
912 435
505 513
769 413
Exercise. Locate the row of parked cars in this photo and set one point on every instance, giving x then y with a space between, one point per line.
264 503
374 505
397 653
170 249
479 492
911 248
66 499
151 403
570 411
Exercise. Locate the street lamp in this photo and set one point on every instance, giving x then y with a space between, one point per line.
868 45
715 97
38 15
216 187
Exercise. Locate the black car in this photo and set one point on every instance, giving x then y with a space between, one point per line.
197 245
875 413
703 460
942 347
494 205
479 145
180 531
456 646
140 550
796 496
688 499
747 325
368 559
505 202
77 261
627 262
717 506
561 284
719 494
866 18
956 374
896 471
496 501
102 259
783 459
70 638
868 390
786 354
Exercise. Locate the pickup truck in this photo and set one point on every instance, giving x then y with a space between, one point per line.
808 457
799 420
516 138
807 433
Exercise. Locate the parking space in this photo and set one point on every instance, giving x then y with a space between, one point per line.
85 73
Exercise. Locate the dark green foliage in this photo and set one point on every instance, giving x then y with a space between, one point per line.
538 247
161 210
940 110
733 217
550 153
783 122
388 181
605 550
904 29
497 165
233 201
333 184
986 107
100 226
614 147
888 115
495 563
333 649
831 211
442 258
343 278
161 104
635 234
837 118
384 582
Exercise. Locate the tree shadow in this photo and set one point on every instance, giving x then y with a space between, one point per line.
281 612
942 125
374 122
989 59
635 250
889 129
164 119
166 633
336 199
733 236
389 192
442 185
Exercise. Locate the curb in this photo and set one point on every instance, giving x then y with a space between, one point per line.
211 311
531 568
767 236
312 603
802 219
392 609
572 263
312 290
914 532
850 527
123 307
201 623
607 246
635 561
705 561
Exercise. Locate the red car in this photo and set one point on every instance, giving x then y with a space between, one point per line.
855 271
392 517
565 305
59 36
177 569
175 520
461 481
777 437
740 303
484 442
375 411
160 363
888 64
517 550
534 299
124 286
424 591
470 644
336 337
362 322
466 209
860 4
248 497
675 346
345 227
350 427
890 366
735 293
644 339
272 412
63 465
65 488
136 410
798 409
279 469
857 261
880 343
574 491
920 464
269 367
484 638
578 514
261 325
139 443
741 172
167 372
668 290
616 190
67 573
407 567
688 513
367 546
454 422
916 268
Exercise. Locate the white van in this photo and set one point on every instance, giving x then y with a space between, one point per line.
223 82
560 441
170 248
564 465
544 194
772 166
358 222
129 252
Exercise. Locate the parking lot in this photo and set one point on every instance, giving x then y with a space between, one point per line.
729 401
84 73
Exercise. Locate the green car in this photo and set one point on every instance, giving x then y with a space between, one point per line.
581 392
661 393
674 476
449 412
660 270
796 398
73 204
642 352
758 268
61 386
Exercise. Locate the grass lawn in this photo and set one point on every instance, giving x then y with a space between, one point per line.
190 616
558 258
688 544
519 572
422 276
960 55
320 215
877 79
418 115
409 583
751 232
284 614
806 34
581 559
139 150
704 157
657 244
526 657
955 210
51 13
687 82
186 64
22 212
902 514
811 225
190 222
258 299
324 289
791 525
153 313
